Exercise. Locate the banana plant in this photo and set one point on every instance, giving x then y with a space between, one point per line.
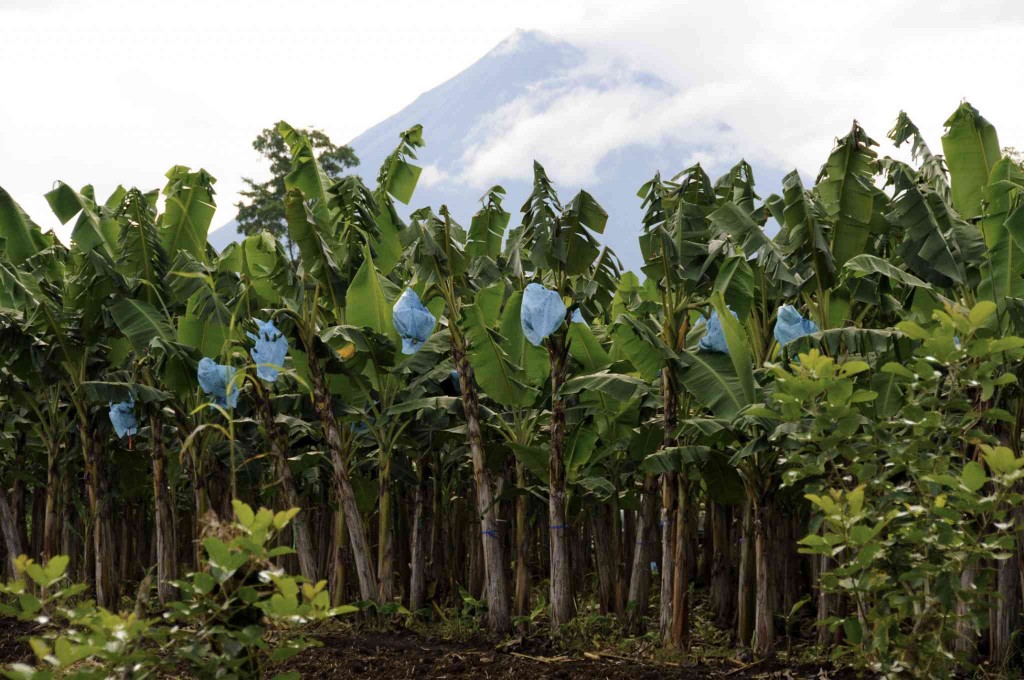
60 293
145 313
567 264
693 238
985 222
263 270
462 277
340 229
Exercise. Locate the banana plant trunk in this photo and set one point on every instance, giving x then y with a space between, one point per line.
337 556
385 533
101 522
522 596
51 525
747 586
166 559
764 624
966 641
420 537
605 558
640 574
278 441
669 505
828 603
12 537
619 599
684 569
724 578
562 608
498 617
1004 617
339 461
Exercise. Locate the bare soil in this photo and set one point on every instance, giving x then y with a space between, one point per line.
401 655
14 635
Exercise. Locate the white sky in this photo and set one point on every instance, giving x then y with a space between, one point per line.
111 92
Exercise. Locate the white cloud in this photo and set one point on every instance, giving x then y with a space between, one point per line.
773 83
571 124
807 69
431 175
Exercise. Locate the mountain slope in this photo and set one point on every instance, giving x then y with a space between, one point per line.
592 124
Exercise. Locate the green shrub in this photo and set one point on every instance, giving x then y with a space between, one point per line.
914 507
218 629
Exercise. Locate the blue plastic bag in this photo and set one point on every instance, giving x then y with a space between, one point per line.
714 336
270 350
413 321
218 381
458 383
790 325
122 417
577 317
541 314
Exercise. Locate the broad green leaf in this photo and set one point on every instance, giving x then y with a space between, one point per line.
188 211
613 385
91 230
739 348
735 281
981 312
306 173
579 448
805 238
585 348
588 212
865 265
487 228
1002 227
313 237
398 176
971 148
848 194
932 168
711 379
243 512
974 476
20 237
366 303
890 394
205 336
641 345
488 301
534 361
141 322
492 368
534 459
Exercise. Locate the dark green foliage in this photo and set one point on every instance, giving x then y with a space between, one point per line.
263 206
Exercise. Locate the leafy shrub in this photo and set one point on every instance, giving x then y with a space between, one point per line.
218 629
916 539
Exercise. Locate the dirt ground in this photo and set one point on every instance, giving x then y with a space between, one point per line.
402 655
14 641
406 655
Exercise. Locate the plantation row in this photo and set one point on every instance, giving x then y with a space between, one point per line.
828 417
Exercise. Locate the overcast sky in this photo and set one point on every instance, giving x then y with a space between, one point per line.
117 92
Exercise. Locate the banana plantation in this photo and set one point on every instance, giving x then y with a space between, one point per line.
801 419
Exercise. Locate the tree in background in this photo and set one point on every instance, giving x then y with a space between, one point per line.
1014 154
263 207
